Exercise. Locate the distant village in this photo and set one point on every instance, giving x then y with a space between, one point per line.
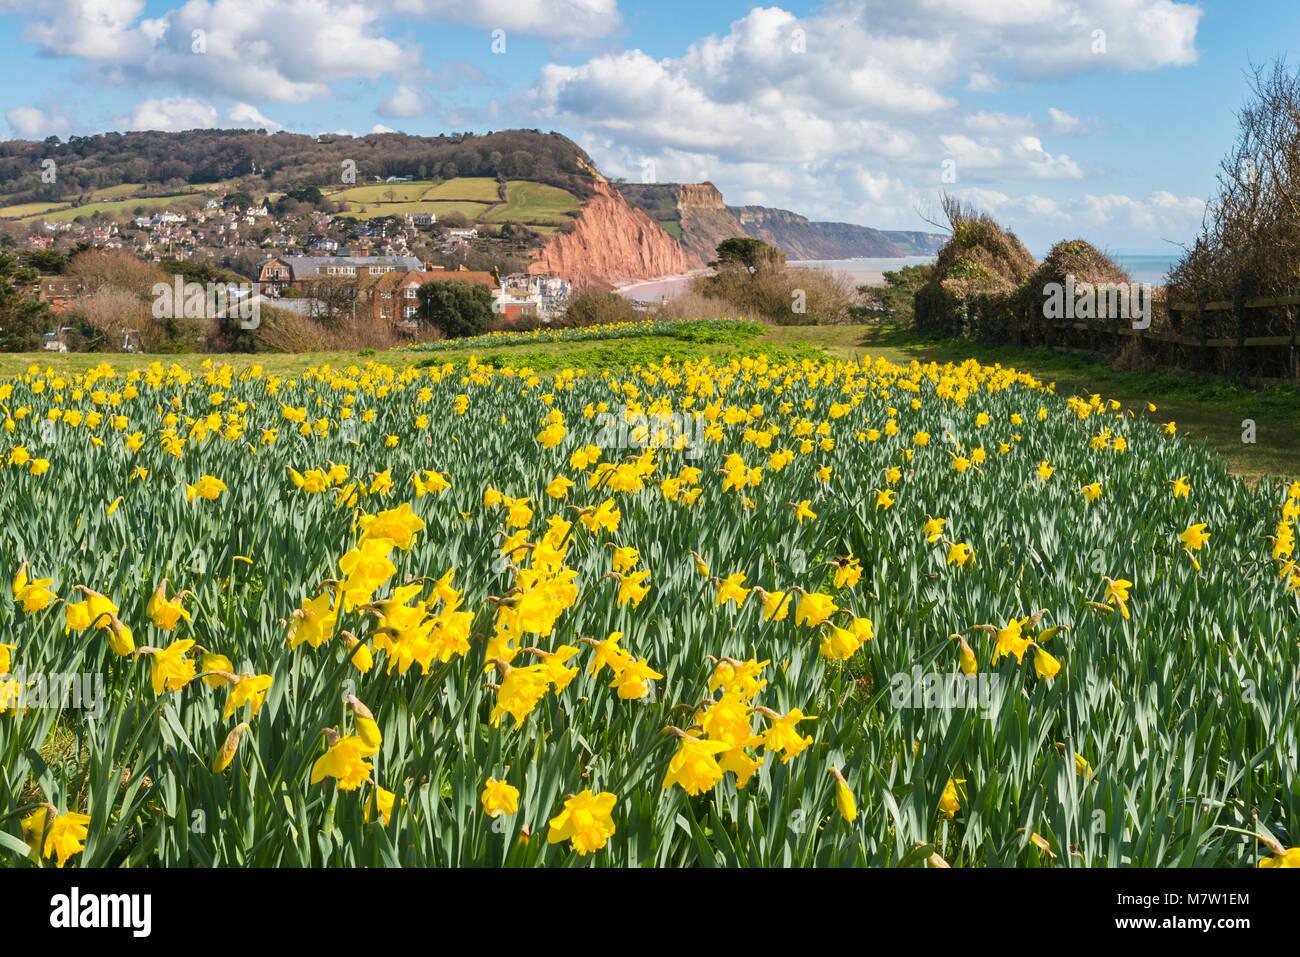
307 259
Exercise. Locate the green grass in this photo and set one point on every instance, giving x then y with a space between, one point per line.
482 189
379 192
27 209
533 202
103 194
120 191
118 206
438 208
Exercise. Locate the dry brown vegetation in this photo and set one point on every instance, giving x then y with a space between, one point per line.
281 330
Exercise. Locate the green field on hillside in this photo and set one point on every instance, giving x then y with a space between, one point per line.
19 210
528 202
103 194
438 208
118 206
475 197
381 193
120 191
480 189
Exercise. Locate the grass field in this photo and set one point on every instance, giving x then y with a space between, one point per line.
112 206
528 202
476 198
470 196
481 189
28 209
437 207
103 194
380 192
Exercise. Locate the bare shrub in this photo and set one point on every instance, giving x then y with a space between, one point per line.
693 305
1251 231
282 330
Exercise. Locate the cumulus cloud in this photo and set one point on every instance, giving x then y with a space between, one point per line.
170 114
1063 124
250 117
1041 221
287 50
855 111
550 19
406 101
32 123
281 50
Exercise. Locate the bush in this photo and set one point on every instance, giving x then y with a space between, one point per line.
753 277
895 301
283 330
981 261
594 307
456 308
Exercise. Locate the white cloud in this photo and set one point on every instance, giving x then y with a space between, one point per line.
1041 221
849 113
1064 124
550 19
170 114
381 128
250 117
406 101
32 123
280 50
1049 37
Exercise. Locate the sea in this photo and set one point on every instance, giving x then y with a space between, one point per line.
1142 267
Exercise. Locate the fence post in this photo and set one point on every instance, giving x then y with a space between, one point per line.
1238 307
1170 350
1207 363
1294 315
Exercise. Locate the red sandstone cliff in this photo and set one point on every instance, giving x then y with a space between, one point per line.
613 243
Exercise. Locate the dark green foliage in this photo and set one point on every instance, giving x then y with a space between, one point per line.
895 301
22 320
456 308
285 161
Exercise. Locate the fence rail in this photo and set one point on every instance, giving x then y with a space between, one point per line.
1257 340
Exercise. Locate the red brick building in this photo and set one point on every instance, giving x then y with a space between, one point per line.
394 296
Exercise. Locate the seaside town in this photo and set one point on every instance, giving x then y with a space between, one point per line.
375 265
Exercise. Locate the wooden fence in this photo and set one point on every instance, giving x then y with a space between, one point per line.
1245 340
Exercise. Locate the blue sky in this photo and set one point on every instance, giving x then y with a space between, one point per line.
1097 118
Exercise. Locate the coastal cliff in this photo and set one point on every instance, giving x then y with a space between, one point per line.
613 242
700 218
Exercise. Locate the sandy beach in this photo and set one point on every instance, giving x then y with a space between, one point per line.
652 290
